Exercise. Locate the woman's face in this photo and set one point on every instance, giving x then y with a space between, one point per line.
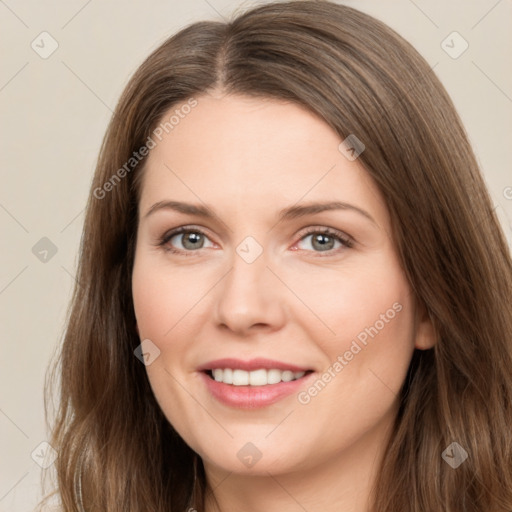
286 270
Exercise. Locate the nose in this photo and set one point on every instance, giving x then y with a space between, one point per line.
250 298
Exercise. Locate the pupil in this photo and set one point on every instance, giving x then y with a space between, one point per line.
325 241
192 238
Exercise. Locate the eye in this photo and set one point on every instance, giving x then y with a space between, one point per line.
187 240
184 240
325 240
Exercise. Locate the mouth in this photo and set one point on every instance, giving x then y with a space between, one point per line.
259 377
252 384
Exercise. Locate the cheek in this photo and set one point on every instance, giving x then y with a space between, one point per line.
150 310
366 361
368 351
162 297
364 302
375 310
373 346
161 301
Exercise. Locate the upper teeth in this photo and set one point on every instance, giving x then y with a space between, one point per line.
255 378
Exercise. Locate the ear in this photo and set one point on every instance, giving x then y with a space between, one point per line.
425 333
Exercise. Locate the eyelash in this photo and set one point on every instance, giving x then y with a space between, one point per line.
346 241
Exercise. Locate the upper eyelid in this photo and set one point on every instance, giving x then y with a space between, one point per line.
183 229
307 231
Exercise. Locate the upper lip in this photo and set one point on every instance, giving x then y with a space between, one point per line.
252 364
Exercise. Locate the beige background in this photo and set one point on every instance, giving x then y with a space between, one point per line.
55 112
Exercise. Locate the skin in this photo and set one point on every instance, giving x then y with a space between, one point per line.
247 159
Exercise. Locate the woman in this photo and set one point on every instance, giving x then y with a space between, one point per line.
294 293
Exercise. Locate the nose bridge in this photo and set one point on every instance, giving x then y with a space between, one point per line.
246 276
249 294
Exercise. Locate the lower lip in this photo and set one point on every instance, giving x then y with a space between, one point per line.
252 397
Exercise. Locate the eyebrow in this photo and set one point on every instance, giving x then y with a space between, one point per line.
290 213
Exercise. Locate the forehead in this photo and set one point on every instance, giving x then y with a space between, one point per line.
252 153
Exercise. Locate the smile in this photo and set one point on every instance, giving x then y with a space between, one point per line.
252 384
260 377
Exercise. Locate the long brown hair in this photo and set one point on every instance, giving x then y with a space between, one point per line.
117 451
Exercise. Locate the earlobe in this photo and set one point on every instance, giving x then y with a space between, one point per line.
426 336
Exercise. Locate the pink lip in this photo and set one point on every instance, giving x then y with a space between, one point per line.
253 364
251 397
